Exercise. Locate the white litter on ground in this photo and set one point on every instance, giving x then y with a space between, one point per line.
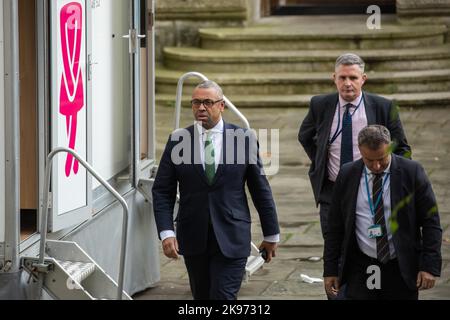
314 259
308 279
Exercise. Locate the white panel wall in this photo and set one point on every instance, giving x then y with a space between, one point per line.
69 180
110 88
2 132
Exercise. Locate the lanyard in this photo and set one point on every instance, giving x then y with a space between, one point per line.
372 205
338 128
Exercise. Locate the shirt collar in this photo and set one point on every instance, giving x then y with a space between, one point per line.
217 129
355 102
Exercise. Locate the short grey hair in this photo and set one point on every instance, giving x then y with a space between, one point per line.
349 59
208 84
374 136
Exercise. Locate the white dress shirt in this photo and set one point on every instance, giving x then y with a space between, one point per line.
364 216
359 121
217 141
216 134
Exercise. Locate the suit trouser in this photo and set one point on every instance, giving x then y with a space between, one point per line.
393 287
325 201
212 276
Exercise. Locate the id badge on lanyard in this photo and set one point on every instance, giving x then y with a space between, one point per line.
375 230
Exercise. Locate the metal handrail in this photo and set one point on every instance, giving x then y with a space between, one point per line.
44 213
228 103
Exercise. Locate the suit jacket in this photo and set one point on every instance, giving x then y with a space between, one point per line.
223 204
417 241
314 132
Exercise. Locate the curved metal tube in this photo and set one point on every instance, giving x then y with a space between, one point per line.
44 213
179 97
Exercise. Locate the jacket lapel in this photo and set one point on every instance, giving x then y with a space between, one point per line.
354 187
395 187
329 112
370 110
195 154
223 157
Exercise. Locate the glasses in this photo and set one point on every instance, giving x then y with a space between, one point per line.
208 103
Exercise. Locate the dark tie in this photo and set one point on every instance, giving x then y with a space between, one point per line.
382 242
347 141
210 166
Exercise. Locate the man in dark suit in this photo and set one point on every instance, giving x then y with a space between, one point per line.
329 132
385 222
211 162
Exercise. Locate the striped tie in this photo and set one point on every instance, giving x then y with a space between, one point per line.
382 242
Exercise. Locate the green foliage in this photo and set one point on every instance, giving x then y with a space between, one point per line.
432 211
407 154
288 236
392 147
403 203
394 116
394 226
393 219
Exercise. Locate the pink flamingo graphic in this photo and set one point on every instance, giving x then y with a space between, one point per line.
71 99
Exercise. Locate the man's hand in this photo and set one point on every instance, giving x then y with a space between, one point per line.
425 280
270 248
170 247
331 286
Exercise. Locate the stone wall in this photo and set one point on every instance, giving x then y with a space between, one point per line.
430 11
178 21
424 11
201 9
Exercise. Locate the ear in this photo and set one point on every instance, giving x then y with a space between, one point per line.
334 77
364 78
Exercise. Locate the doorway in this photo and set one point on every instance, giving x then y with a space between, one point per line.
323 7
28 120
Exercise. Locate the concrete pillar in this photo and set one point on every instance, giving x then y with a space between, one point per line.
253 11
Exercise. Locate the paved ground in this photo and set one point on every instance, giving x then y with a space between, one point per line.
428 131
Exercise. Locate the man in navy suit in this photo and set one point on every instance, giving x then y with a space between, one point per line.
211 162
384 237
329 131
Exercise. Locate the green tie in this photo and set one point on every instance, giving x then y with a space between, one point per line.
210 166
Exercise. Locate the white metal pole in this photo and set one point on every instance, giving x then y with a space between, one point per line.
179 98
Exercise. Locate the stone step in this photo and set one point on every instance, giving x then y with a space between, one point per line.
314 82
201 60
404 100
341 34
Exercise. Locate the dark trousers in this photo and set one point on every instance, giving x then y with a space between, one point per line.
212 276
325 202
393 287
